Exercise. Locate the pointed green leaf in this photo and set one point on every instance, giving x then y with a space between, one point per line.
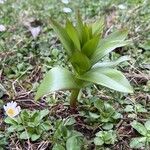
105 48
90 46
80 62
139 127
112 63
86 33
108 44
97 27
73 34
119 35
79 26
56 79
63 36
110 78
89 30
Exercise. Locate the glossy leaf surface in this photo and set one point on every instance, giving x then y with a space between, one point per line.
56 79
110 78
73 34
63 36
108 44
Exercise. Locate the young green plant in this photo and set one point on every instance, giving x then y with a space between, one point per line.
105 137
85 48
29 125
144 140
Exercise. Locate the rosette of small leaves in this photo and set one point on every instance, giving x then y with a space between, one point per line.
65 137
86 50
104 114
105 137
29 124
144 140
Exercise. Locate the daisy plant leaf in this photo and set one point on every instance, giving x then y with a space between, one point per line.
147 125
138 142
57 79
108 77
139 127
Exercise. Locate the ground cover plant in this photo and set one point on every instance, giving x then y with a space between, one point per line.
37 41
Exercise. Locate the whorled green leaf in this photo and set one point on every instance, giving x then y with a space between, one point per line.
111 63
108 44
57 79
79 26
63 36
110 78
73 34
119 35
139 127
80 62
97 27
90 46
86 34
105 48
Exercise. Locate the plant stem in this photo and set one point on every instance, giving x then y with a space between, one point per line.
74 97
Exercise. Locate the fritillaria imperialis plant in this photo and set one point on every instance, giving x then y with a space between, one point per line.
86 50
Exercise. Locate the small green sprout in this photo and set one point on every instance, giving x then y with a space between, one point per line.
86 49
